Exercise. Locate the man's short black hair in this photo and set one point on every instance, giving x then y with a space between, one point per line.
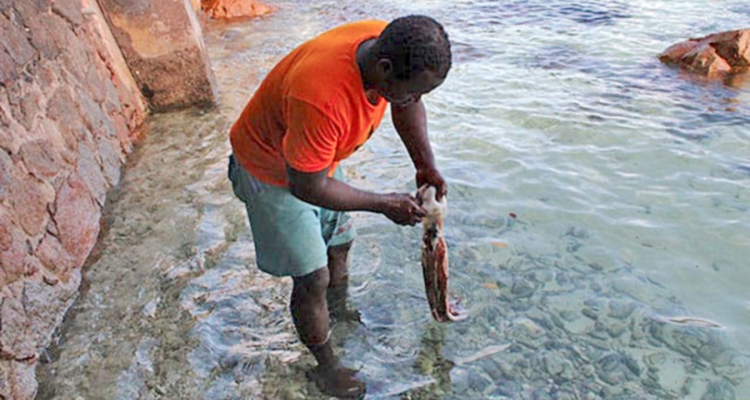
413 44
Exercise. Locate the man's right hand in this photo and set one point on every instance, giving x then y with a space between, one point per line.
403 209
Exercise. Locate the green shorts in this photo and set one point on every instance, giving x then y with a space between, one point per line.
291 237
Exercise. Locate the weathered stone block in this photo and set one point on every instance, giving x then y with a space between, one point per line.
24 102
54 257
91 173
47 76
77 218
50 130
13 253
5 378
111 161
29 198
70 10
42 38
17 380
93 116
112 101
6 175
62 109
41 158
6 233
77 58
14 329
45 305
8 72
29 9
124 134
15 42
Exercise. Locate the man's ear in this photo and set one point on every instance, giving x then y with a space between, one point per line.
385 67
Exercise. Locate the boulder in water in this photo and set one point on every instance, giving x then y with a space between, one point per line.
229 9
715 56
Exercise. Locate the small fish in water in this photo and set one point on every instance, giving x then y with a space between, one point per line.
435 258
692 321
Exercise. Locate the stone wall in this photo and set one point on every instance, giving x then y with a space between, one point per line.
68 107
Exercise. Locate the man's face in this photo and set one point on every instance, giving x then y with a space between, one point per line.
404 93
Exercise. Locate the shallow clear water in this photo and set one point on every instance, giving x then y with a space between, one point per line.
598 215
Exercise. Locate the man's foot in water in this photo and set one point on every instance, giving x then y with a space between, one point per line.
338 382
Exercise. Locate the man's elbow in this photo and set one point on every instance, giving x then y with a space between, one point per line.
305 191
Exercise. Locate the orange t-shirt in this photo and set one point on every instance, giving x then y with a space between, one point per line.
311 110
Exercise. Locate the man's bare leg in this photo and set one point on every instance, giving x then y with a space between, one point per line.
339 284
310 314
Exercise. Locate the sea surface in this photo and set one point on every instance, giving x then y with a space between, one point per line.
598 224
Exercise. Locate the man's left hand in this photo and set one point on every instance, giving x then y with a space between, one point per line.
431 176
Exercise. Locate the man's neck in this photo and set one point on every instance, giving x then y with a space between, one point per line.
366 63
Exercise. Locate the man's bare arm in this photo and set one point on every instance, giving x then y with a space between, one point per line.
411 124
318 189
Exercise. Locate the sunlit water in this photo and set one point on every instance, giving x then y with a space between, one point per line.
599 212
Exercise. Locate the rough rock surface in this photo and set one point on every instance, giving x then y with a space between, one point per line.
715 56
228 9
68 105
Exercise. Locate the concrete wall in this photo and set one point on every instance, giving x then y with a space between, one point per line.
163 45
69 110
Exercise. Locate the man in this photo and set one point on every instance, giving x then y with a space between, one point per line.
314 109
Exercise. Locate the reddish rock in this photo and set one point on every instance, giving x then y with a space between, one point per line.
17 380
13 256
29 198
715 56
227 9
50 130
61 108
6 174
14 330
43 38
23 98
6 234
124 134
70 10
45 305
92 113
22 383
91 173
15 42
60 73
77 218
8 72
41 158
54 257
111 161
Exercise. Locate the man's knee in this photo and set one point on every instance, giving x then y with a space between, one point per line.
313 284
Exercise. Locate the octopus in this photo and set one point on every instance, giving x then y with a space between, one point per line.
435 258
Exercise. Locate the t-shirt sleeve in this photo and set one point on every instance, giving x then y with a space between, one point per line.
311 137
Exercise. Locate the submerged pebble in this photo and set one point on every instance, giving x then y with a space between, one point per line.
620 310
721 390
